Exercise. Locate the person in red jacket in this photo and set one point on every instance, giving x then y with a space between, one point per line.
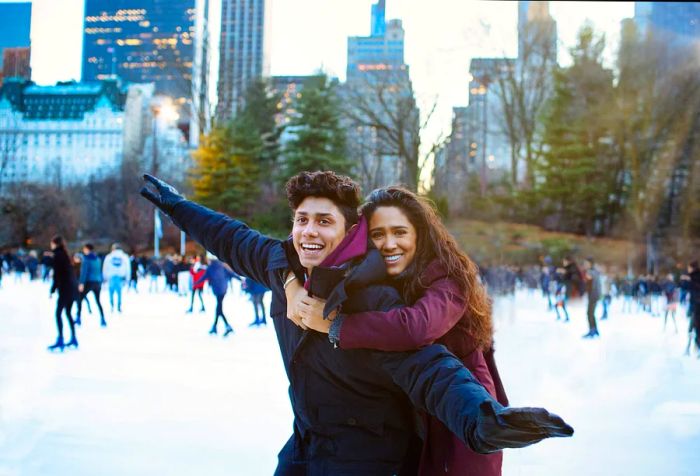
449 306
197 270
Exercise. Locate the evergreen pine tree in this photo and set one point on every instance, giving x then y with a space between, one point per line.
572 180
318 141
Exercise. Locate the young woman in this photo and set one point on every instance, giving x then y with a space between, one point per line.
448 305
65 283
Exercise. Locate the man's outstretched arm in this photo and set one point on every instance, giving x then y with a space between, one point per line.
247 251
438 383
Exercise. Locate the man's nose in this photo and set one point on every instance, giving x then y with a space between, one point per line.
310 229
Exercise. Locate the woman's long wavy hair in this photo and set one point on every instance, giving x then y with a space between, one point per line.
434 241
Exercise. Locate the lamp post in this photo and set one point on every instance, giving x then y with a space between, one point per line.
157 229
167 112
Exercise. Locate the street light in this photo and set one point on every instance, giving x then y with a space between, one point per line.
165 110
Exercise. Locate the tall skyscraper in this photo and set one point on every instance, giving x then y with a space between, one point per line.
537 30
15 26
380 88
141 41
242 52
383 50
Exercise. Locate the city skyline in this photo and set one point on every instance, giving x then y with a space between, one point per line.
438 57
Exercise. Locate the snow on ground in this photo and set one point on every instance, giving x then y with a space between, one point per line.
154 393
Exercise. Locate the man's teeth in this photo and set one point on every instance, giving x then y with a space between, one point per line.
312 247
392 258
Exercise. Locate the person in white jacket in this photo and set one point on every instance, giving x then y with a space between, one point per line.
116 270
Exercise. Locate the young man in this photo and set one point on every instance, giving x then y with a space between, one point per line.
353 410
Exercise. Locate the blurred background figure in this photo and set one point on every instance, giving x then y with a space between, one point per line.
116 271
256 292
197 272
218 276
593 289
694 311
46 265
671 294
134 277
154 271
32 265
90 281
65 283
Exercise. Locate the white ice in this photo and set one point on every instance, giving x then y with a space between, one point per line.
155 394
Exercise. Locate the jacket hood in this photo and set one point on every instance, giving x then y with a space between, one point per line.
333 284
353 246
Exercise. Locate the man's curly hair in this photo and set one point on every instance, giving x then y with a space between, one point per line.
341 190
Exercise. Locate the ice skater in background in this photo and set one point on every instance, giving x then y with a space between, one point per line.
218 275
116 270
560 296
593 290
694 291
670 291
197 271
256 291
65 283
90 280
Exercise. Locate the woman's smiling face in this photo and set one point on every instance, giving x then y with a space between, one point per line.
395 238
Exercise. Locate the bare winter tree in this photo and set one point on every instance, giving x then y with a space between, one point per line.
522 88
384 126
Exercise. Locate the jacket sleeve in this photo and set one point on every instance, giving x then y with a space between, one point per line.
433 378
245 250
437 382
106 269
406 328
83 271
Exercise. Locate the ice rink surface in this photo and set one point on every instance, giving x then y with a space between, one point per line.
155 394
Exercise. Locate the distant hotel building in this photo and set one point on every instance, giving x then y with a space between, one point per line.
242 51
61 134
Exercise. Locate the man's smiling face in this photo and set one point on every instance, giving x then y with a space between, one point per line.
319 227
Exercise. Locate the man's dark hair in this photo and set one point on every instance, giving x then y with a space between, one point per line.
89 246
341 190
58 241
694 265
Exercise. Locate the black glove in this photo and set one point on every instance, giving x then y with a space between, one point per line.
166 198
507 427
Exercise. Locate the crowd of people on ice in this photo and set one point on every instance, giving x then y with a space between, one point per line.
671 296
79 278
668 295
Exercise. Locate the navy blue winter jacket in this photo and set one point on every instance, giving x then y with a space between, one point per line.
218 277
353 409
